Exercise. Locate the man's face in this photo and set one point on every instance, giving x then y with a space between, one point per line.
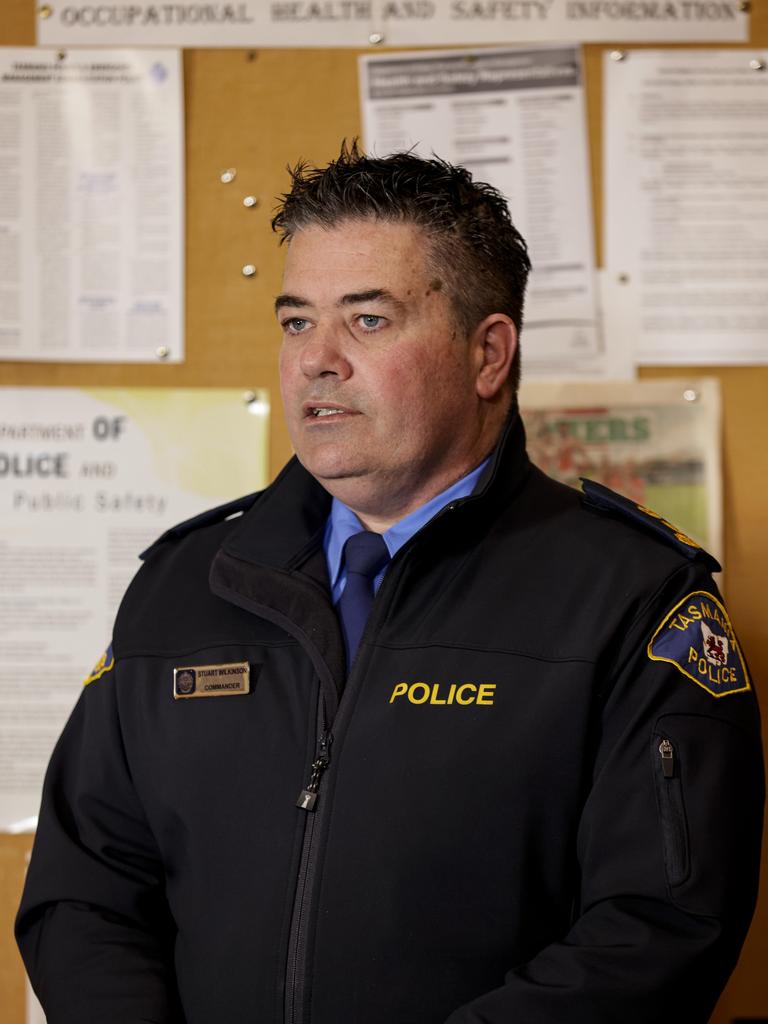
377 382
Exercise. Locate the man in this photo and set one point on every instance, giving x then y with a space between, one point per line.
521 784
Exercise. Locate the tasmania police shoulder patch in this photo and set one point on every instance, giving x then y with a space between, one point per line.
105 664
698 639
603 499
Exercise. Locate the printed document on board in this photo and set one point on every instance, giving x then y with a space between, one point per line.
515 119
91 205
657 442
686 204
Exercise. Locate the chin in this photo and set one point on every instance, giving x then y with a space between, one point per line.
330 470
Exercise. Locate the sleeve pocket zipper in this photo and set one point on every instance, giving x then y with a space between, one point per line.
674 827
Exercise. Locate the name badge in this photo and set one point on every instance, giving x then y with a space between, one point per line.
211 680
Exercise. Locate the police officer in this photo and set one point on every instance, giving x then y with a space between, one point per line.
430 738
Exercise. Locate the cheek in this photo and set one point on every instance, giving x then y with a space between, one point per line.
287 374
429 377
402 390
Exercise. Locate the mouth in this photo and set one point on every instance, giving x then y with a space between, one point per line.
326 411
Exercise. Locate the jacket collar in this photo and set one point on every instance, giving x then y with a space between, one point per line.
285 523
284 528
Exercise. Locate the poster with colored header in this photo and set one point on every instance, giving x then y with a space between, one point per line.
655 442
515 119
89 478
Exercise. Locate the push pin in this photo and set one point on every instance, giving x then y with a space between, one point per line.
254 405
690 395
250 201
249 270
45 11
376 38
229 175
162 351
757 65
618 55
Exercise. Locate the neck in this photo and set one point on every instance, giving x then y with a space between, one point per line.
379 519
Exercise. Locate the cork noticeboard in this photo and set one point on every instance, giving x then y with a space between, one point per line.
257 111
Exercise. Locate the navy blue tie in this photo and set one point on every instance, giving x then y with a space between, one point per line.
365 555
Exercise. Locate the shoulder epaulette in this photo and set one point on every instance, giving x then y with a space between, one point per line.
207 518
603 499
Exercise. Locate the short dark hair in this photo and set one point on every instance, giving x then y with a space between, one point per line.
475 245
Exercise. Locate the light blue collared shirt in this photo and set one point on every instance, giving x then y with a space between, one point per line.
343 523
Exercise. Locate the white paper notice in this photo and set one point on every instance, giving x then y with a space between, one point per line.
515 119
686 204
91 205
88 480
392 22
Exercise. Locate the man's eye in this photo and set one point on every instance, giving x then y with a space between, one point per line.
295 325
370 322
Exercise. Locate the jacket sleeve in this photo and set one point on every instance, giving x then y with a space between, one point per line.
668 844
94 927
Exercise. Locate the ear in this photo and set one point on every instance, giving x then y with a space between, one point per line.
495 343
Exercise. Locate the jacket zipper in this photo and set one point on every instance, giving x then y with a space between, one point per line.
295 980
672 811
308 797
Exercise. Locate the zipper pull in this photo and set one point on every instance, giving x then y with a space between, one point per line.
308 797
667 752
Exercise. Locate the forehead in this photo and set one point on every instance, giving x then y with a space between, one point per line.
358 254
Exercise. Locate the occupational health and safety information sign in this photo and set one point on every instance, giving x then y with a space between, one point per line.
89 479
656 442
91 205
515 119
386 22
686 204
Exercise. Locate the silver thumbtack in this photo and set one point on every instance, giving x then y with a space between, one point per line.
690 395
229 175
250 201
618 55
45 11
162 352
249 396
757 65
376 38
249 270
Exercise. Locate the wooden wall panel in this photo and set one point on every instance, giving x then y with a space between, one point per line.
257 111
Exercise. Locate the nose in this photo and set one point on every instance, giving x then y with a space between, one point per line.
322 355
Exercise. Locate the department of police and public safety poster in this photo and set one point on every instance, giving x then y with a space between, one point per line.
88 479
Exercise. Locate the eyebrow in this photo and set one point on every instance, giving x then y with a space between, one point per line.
372 295
290 301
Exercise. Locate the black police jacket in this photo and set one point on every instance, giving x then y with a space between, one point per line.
526 803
